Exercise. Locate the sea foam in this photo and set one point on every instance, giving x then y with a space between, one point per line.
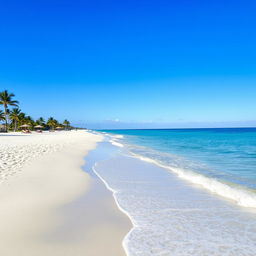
115 143
241 196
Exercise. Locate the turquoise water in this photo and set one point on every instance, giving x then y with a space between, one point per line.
226 156
177 203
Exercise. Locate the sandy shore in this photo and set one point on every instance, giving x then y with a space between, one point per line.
48 205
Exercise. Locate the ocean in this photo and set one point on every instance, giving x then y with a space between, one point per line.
186 191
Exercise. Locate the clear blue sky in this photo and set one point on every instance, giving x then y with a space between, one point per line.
123 63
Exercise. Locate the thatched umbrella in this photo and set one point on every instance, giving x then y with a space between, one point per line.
59 128
25 126
39 126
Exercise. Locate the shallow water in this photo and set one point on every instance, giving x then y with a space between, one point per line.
221 160
172 216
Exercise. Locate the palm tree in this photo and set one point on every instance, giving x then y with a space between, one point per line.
2 115
29 120
40 121
2 118
15 117
66 123
22 118
52 123
6 100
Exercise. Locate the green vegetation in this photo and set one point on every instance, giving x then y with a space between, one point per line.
66 123
52 123
14 118
2 118
6 100
40 121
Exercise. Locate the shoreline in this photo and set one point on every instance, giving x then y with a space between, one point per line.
164 207
107 156
35 199
133 223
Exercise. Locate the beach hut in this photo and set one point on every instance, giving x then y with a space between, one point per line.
59 128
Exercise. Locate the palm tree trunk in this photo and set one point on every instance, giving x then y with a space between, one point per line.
15 125
6 123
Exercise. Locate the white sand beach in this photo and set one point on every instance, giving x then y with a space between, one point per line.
40 175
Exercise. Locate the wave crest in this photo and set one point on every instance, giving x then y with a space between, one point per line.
242 196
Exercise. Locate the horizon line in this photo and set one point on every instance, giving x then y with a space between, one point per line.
192 128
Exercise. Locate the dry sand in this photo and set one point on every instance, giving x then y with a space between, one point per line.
48 205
